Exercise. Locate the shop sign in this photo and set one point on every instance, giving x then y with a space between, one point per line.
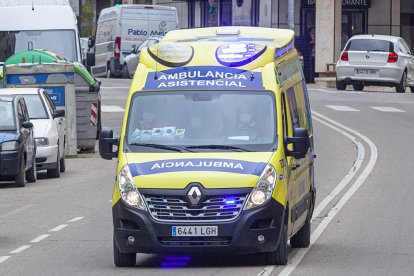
346 4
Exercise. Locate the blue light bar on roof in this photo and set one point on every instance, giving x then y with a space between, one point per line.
239 54
284 50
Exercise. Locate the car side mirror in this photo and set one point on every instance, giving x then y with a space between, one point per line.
106 144
300 141
133 49
58 113
27 124
91 42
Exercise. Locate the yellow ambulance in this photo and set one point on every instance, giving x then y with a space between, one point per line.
216 149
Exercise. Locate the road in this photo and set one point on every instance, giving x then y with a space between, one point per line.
362 226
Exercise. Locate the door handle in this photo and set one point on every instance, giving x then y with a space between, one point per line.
295 166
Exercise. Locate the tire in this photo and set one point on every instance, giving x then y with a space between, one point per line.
62 164
20 179
123 259
358 87
302 238
340 85
400 88
31 174
412 89
280 256
55 173
125 72
109 73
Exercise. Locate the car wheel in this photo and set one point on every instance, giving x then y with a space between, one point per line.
302 238
280 256
31 174
340 85
125 72
412 89
358 87
123 259
20 179
55 173
62 164
400 88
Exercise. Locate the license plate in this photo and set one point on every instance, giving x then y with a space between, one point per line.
369 72
194 231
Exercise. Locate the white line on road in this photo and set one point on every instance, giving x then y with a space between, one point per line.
110 200
3 258
387 109
40 238
341 108
76 219
58 228
341 203
112 108
20 249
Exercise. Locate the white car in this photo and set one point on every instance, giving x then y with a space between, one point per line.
49 129
376 60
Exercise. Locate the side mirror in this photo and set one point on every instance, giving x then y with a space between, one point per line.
133 49
106 144
300 141
91 42
27 124
90 59
58 113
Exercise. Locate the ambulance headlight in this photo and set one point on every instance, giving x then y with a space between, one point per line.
129 192
264 188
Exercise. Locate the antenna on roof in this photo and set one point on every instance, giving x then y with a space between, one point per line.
32 5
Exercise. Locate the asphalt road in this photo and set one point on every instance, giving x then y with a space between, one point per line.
362 226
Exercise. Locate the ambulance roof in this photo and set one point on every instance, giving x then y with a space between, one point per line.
271 37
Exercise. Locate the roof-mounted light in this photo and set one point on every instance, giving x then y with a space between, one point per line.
239 54
171 54
284 50
227 31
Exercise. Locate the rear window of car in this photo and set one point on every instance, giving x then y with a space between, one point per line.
374 45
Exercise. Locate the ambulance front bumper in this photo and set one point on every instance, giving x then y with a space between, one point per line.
237 236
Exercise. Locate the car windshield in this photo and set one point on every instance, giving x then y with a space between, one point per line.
7 121
374 45
62 42
202 121
35 107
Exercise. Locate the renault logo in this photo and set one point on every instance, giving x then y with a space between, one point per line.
194 195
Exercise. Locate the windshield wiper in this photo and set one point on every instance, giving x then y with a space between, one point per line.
224 147
158 146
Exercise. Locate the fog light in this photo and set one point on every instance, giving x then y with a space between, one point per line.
131 239
261 239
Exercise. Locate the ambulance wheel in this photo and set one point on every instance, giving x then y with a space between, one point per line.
358 87
340 85
20 179
31 174
123 259
280 256
55 173
125 72
302 238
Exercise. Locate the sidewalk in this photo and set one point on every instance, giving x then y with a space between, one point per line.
349 88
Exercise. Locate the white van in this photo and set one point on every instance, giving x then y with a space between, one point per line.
38 26
122 27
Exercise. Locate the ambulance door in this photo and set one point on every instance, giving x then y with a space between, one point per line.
288 163
301 186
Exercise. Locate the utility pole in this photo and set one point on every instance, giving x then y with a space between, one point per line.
291 14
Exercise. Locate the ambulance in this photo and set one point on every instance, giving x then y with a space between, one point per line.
216 152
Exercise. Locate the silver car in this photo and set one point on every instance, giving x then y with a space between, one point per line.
375 60
131 61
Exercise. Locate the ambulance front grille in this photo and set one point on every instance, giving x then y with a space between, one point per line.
213 208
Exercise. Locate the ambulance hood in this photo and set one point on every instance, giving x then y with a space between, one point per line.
212 170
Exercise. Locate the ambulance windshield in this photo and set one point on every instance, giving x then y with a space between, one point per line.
202 121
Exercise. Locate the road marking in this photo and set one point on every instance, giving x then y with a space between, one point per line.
3 258
16 211
112 108
387 109
58 228
40 238
341 108
300 254
20 249
110 200
76 219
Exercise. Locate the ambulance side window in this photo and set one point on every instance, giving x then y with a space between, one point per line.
293 107
284 118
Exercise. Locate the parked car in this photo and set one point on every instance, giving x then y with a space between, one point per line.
376 60
131 61
18 147
49 129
